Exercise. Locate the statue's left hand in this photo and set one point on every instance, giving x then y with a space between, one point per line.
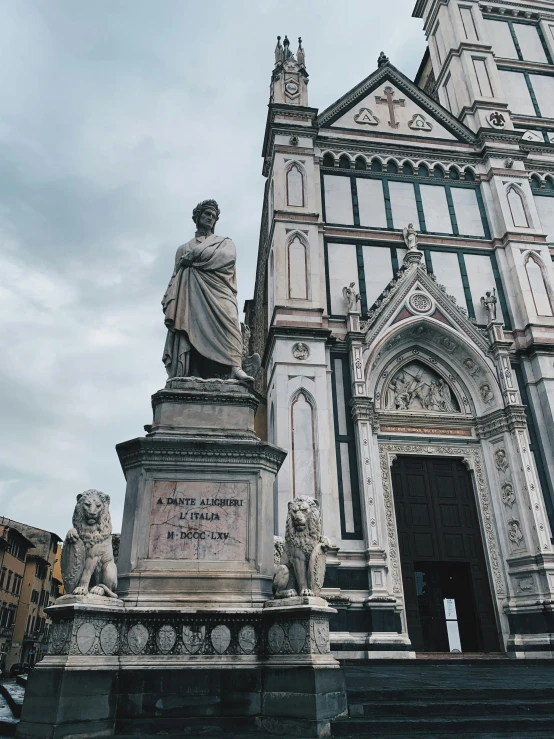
186 260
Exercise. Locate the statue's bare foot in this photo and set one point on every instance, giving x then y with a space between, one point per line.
80 590
237 373
97 590
307 592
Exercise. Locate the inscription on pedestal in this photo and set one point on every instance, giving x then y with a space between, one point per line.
199 520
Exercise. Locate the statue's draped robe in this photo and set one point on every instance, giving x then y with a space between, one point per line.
200 307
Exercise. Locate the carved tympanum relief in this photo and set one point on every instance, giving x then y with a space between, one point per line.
417 387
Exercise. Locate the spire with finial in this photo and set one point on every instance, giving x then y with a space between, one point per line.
383 59
279 55
300 56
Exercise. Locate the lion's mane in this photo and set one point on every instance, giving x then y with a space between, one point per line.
92 534
307 539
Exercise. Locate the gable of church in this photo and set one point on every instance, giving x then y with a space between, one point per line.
388 102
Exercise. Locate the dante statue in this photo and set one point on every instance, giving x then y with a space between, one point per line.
200 305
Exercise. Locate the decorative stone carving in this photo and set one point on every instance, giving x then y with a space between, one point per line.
497 119
420 303
351 297
500 460
137 637
471 366
293 140
297 637
514 532
165 638
247 639
193 638
410 237
87 556
366 117
508 497
220 638
109 638
382 60
200 305
86 636
300 351
417 387
275 638
251 363
420 123
301 570
489 304
486 393
447 343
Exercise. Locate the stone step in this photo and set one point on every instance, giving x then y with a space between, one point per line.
433 694
468 708
431 726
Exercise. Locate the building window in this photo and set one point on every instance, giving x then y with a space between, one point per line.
328 160
9 580
517 207
2 578
297 269
344 162
450 95
40 571
295 186
303 446
34 596
539 287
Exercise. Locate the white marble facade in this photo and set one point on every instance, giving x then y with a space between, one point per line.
342 398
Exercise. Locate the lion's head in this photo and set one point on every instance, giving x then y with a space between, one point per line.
303 528
91 516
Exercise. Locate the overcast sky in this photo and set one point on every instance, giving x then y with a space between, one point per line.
116 118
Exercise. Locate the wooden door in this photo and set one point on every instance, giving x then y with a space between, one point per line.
440 542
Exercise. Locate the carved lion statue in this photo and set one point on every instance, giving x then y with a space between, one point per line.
87 556
300 561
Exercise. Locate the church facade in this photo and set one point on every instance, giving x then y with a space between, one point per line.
404 309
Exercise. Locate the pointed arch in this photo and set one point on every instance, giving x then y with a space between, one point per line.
297 266
423 170
303 444
360 162
392 166
454 172
519 209
328 159
439 171
469 174
376 164
539 285
296 180
407 167
535 181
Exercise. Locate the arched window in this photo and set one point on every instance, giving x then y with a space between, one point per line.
542 296
376 165
454 174
407 169
328 160
423 170
344 162
392 167
468 175
271 285
295 186
438 172
548 184
298 269
517 207
360 163
535 182
303 446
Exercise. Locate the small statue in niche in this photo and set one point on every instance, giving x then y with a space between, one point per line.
514 532
302 562
88 564
500 460
486 393
508 497
351 297
410 237
300 351
489 304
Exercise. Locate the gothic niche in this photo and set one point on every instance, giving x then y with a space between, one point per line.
417 387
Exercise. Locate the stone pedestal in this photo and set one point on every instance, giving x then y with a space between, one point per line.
190 645
303 684
198 517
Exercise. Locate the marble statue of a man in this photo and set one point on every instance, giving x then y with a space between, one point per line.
200 305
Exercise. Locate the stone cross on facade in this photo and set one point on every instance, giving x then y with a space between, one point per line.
392 104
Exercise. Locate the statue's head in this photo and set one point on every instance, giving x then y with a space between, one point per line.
206 215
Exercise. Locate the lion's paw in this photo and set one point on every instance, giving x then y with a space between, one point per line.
96 590
80 590
72 535
307 592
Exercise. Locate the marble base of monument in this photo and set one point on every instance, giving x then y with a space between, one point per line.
123 670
